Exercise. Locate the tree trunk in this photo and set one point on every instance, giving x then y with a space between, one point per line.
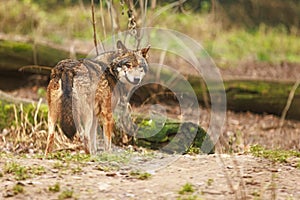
153 4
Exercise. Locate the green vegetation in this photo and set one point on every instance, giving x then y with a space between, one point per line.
67 156
189 197
18 189
54 188
21 172
65 194
140 175
265 44
210 181
186 188
276 155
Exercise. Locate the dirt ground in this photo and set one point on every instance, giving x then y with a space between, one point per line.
218 176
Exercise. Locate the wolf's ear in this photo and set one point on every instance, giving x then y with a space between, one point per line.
121 47
144 51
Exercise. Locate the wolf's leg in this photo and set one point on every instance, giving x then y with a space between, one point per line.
107 117
52 118
93 136
88 129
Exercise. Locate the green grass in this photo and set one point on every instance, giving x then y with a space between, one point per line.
140 175
186 188
21 172
275 155
65 194
17 189
265 44
54 188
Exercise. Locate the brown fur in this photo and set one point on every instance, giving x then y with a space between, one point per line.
80 93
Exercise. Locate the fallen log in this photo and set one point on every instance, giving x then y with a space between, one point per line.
258 96
16 54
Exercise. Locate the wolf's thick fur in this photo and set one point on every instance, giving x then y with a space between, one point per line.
80 93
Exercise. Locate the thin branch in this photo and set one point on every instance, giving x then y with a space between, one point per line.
94 26
35 67
102 19
164 9
109 7
289 102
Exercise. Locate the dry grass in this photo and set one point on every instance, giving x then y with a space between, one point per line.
29 130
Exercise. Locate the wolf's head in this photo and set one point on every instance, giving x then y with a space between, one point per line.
130 65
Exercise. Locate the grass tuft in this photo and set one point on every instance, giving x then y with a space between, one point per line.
276 155
186 188
54 188
65 194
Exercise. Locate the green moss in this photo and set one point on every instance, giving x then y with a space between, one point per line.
182 136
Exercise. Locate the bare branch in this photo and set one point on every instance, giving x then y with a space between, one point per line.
94 26
289 102
102 19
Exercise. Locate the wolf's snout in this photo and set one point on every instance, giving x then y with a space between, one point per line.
136 80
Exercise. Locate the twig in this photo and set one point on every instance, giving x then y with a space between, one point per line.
37 112
35 67
94 26
205 93
228 179
161 61
288 103
164 9
102 19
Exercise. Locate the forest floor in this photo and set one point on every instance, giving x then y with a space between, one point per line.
232 173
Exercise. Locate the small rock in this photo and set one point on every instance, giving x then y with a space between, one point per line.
229 167
247 176
112 174
275 170
103 187
129 195
5 131
54 170
148 191
8 193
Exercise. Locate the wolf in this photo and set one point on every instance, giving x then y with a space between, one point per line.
80 93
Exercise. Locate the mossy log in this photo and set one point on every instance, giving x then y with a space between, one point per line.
16 54
257 96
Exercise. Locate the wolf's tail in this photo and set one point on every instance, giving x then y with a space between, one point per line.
67 123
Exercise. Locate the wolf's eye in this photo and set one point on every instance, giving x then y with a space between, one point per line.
128 65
